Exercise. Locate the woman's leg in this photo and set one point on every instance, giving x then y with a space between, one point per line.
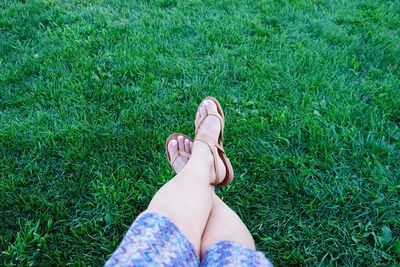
224 225
187 199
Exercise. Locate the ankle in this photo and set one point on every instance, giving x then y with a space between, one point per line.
201 151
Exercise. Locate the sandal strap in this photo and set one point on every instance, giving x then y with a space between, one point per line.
211 113
214 147
184 154
176 154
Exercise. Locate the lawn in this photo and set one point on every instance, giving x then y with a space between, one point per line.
89 91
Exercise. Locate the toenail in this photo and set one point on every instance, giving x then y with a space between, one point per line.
173 143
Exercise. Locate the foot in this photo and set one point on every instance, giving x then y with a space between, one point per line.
210 126
182 144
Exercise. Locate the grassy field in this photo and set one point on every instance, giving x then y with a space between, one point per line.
89 90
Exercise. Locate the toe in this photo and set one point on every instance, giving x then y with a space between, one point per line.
187 146
198 117
191 146
181 145
203 111
211 106
172 147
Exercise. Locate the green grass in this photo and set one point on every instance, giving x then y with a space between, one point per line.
89 90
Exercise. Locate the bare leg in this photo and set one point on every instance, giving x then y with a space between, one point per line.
224 224
187 199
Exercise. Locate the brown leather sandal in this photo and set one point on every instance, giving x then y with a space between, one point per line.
216 148
177 153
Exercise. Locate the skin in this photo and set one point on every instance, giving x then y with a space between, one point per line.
189 200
